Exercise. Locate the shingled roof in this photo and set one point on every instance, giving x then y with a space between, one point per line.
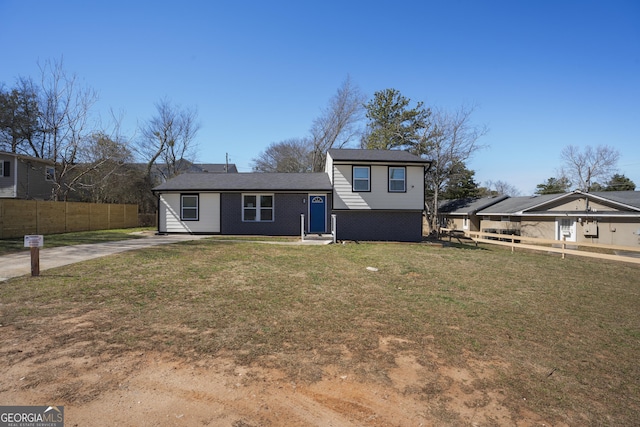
385 156
468 206
247 182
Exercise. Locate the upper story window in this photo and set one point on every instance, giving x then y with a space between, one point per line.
5 168
257 207
397 179
189 207
361 178
50 173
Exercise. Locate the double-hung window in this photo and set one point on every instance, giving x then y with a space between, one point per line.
189 207
50 173
5 168
397 180
361 178
257 207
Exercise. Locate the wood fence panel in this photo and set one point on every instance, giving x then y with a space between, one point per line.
131 216
116 216
51 218
19 217
99 217
22 217
77 216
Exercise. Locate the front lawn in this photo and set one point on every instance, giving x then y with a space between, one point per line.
555 338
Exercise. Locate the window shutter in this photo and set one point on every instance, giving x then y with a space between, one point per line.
6 169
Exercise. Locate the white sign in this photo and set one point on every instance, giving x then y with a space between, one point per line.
34 241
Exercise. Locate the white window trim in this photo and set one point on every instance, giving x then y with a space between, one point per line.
403 180
465 223
353 186
197 207
258 207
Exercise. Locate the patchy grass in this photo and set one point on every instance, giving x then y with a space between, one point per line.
563 336
67 239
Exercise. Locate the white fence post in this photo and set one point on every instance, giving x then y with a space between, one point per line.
334 227
302 227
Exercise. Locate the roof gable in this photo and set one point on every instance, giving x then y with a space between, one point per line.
630 199
623 201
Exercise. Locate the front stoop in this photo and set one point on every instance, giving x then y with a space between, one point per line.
317 239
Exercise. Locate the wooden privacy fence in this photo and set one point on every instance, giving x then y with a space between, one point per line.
547 245
22 217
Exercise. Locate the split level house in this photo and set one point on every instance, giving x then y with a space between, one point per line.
25 177
608 217
374 195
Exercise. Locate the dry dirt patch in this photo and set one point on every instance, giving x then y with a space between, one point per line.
127 388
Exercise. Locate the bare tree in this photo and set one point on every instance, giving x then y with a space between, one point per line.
583 166
169 138
103 158
292 155
64 121
337 125
449 142
501 188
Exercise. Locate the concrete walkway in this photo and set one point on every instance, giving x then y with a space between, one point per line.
19 264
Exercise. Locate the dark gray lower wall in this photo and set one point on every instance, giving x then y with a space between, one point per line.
287 210
379 225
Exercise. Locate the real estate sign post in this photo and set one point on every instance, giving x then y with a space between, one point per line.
34 242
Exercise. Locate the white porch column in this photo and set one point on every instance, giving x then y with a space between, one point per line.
334 227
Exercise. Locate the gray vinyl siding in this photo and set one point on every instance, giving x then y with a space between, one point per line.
399 226
26 179
287 210
32 183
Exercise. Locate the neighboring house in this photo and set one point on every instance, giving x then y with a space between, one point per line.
375 195
461 214
25 177
609 217
185 166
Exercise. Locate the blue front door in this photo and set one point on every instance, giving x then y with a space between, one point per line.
317 214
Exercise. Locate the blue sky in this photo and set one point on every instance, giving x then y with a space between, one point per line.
544 74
